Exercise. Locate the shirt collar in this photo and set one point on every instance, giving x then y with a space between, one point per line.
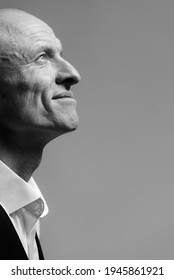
15 193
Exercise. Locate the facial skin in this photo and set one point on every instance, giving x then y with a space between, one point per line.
35 80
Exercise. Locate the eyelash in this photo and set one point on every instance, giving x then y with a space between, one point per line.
42 55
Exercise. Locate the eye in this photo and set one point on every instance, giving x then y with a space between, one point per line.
42 57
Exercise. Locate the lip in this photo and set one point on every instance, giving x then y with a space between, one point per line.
65 94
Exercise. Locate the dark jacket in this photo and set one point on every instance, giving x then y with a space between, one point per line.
11 247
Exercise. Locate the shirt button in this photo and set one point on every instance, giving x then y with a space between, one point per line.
36 207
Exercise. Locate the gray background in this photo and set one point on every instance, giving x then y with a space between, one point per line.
110 184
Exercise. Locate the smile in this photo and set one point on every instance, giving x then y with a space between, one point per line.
66 94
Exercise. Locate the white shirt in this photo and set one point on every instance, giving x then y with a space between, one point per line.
24 204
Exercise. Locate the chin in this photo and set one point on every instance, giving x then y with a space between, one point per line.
67 125
71 126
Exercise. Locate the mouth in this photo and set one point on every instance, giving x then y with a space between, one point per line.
65 94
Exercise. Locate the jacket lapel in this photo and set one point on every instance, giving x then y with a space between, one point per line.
10 245
41 256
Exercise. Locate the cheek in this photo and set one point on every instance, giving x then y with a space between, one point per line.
10 81
43 88
26 92
12 87
39 81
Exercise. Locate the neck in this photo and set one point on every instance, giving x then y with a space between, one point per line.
21 154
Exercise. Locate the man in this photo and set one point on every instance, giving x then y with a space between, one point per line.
36 105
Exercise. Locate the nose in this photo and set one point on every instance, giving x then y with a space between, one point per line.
67 75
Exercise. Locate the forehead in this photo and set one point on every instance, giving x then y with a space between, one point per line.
36 34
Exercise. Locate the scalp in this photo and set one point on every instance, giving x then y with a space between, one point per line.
16 21
15 17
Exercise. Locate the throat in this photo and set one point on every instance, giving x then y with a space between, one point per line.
22 155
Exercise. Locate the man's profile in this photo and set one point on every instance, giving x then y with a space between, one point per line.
36 105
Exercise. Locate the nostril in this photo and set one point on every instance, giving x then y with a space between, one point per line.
71 81
68 81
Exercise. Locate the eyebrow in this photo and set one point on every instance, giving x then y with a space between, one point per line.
50 50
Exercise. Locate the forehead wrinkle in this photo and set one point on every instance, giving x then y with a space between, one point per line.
37 29
39 36
43 42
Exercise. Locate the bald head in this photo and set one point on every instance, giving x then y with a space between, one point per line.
16 20
15 13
